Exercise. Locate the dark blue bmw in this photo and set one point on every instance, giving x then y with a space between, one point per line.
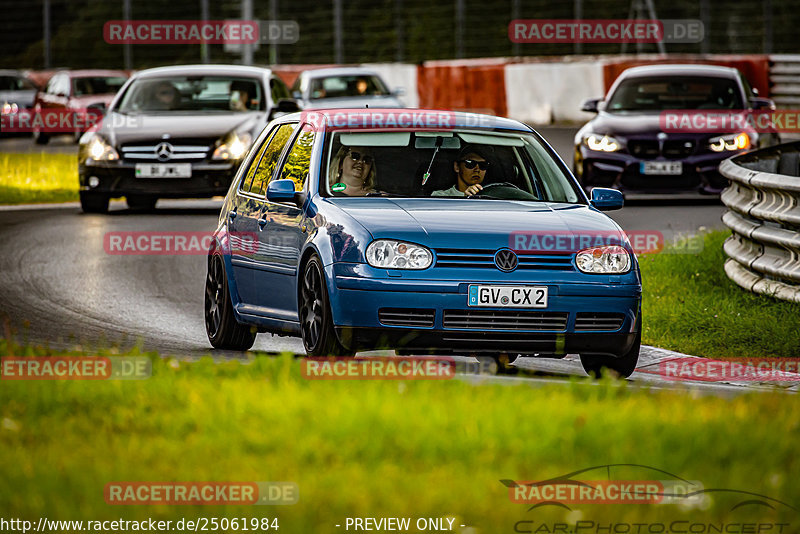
629 147
415 230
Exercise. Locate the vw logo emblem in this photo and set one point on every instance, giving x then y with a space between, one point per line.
506 260
163 151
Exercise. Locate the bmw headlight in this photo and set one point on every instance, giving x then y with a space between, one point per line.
601 143
233 147
722 143
609 259
99 149
391 254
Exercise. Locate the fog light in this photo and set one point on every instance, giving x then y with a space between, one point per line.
94 181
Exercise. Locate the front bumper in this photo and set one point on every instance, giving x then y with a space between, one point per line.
118 179
622 171
360 307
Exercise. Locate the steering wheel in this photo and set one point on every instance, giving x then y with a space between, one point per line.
488 187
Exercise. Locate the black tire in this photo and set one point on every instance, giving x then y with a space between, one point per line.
624 366
316 321
221 327
141 202
40 138
93 202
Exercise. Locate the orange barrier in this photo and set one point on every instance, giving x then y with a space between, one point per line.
473 85
754 67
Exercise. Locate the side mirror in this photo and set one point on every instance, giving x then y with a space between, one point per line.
281 191
287 105
98 106
761 103
591 105
606 199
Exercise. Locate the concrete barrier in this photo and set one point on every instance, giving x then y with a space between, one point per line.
543 93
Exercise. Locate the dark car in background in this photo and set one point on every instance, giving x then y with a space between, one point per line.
626 146
77 90
177 132
17 93
344 87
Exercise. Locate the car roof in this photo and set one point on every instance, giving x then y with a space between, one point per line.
12 72
339 71
716 71
78 73
454 119
213 70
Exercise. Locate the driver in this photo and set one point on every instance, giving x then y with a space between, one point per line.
470 167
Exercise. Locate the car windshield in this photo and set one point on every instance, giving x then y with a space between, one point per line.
675 92
507 166
15 83
346 86
97 85
193 93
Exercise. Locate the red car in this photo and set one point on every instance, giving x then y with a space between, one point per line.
76 90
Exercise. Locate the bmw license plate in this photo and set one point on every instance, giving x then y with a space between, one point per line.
163 170
508 296
670 168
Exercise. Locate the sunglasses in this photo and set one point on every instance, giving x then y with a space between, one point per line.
358 156
470 164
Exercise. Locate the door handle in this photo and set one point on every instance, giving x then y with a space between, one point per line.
262 222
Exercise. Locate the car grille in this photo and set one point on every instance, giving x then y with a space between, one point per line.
484 259
180 153
643 149
671 149
406 317
592 322
505 320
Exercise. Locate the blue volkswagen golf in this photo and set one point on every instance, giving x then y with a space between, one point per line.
425 232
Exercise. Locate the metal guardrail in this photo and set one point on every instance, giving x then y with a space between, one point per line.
784 80
763 203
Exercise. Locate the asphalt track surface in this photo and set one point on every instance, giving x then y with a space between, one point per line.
59 287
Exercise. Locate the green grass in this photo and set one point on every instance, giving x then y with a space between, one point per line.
691 306
372 448
34 178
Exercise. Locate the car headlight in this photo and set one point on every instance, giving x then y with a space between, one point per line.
233 147
9 108
391 254
608 259
98 149
602 143
722 143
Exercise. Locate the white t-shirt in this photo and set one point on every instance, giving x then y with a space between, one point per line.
452 192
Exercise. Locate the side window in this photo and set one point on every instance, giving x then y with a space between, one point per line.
278 89
270 159
247 183
297 164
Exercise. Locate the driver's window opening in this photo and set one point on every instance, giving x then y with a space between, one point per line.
448 164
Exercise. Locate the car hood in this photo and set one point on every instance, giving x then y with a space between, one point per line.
354 102
122 128
472 223
634 126
23 99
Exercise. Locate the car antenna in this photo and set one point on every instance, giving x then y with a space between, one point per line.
427 174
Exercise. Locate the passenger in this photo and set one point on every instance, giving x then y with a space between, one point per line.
353 171
164 96
470 167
